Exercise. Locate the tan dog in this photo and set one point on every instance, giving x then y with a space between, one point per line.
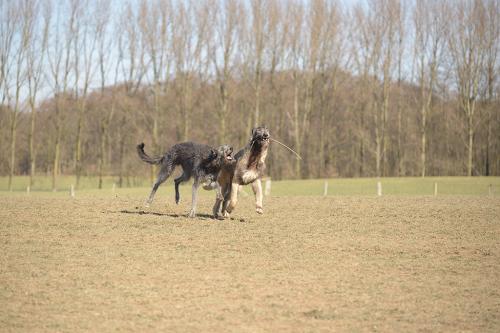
248 169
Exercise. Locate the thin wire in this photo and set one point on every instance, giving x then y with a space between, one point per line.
290 149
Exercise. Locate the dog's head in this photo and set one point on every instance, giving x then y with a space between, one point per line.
223 154
260 136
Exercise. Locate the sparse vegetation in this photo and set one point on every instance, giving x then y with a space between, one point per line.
100 262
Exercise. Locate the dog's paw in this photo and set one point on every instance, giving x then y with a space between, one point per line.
147 204
226 215
192 214
259 210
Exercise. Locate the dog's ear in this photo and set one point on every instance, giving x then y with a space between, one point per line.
213 154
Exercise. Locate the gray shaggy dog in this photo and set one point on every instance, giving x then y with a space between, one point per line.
199 161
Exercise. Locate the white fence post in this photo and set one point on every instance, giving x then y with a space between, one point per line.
379 188
113 189
490 189
325 190
72 191
267 190
28 189
435 189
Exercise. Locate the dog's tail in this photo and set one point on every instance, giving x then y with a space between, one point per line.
143 156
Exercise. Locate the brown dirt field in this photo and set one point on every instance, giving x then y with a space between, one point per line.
309 264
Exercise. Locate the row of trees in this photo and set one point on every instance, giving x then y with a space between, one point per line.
379 88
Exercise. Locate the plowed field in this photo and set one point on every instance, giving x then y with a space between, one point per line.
309 264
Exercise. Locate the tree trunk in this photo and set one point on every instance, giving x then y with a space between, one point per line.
186 108
361 140
102 152
222 129
296 125
78 145
423 141
378 152
223 113
31 140
156 112
57 147
321 169
470 146
257 95
400 149
13 130
488 142
120 158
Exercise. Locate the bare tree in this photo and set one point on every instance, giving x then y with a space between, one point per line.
294 49
154 23
466 41
327 24
365 41
104 44
428 24
35 65
226 16
154 27
85 34
59 52
392 13
492 44
132 49
400 106
132 66
23 16
190 37
258 33
277 32
9 25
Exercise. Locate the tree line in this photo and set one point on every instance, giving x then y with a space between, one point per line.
377 88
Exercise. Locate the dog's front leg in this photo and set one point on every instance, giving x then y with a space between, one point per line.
216 208
194 196
218 200
227 194
234 197
257 190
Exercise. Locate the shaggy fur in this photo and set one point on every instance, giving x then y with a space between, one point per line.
248 169
199 161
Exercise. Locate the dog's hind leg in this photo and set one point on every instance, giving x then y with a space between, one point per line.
257 190
162 176
194 199
166 170
182 178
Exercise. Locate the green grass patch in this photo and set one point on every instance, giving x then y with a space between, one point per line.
308 187
390 186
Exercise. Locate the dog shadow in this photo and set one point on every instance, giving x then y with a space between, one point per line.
198 216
